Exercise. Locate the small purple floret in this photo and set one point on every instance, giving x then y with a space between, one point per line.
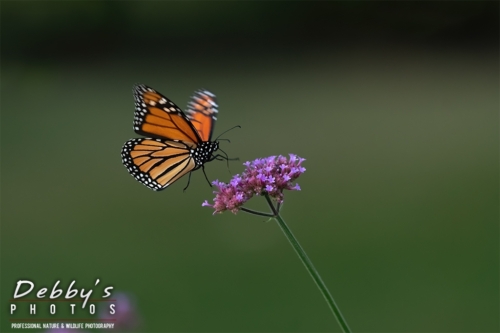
269 175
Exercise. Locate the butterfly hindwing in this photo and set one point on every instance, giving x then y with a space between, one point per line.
158 116
158 163
202 111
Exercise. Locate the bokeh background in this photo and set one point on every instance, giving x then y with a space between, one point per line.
394 106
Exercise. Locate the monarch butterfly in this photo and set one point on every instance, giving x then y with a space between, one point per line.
179 142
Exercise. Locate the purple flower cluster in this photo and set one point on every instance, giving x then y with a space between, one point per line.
269 175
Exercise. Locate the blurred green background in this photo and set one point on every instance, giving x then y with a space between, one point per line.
394 106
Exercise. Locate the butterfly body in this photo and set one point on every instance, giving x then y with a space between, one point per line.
203 153
178 144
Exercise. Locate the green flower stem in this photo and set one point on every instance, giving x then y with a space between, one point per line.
310 268
271 205
251 211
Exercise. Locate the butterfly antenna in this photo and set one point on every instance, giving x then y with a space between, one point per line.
237 126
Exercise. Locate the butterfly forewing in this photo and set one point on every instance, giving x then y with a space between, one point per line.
202 111
157 163
158 116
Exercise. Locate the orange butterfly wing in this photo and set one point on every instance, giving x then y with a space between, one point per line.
157 163
158 116
202 112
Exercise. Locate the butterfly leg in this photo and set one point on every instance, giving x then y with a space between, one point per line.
219 157
208 181
227 157
189 181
